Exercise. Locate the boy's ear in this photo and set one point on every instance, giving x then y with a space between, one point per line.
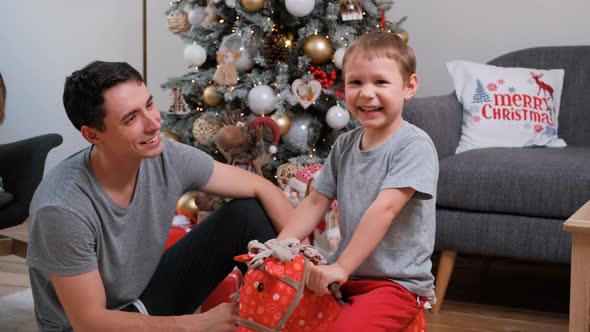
411 87
92 135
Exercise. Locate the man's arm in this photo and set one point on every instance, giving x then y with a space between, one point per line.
83 299
306 216
370 231
234 182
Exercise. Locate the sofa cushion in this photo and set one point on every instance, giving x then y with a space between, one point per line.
503 235
507 107
574 122
540 182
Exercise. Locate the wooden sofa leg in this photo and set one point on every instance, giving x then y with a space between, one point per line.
443 275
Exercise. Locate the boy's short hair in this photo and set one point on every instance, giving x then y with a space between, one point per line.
380 43
83 91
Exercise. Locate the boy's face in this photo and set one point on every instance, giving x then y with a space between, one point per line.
375 93
132 123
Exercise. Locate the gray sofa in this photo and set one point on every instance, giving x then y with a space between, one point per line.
510 202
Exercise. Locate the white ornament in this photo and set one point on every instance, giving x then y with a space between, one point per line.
261 99
195 55
299 8
196 16
337 117
245 62
338 57
299 134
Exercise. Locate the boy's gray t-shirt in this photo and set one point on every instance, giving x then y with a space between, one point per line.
74 227
355 177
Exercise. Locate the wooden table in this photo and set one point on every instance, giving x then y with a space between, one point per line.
13 240
579 225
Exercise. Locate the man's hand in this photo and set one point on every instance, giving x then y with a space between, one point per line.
321 276
223 317
88 312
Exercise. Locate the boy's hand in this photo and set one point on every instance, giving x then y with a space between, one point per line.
320 276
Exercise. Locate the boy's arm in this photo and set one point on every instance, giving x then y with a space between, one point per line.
234 182
373 226
370 231
83 299
306 216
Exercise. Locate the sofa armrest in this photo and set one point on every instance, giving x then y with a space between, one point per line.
440 117
21 167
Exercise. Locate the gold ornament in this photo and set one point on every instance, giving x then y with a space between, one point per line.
405 36
283 121
211 97
253 5
319 49
187 204
178 22
170 135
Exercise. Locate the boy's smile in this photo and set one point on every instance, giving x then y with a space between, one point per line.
375 94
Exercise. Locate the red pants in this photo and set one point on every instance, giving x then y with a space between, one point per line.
377 305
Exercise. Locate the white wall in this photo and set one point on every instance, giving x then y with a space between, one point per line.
479 31
42 42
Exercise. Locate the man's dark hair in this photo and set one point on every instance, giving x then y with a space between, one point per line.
83 91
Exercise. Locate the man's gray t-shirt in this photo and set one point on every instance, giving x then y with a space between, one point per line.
74 227
355 177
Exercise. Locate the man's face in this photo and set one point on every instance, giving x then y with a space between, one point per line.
132 123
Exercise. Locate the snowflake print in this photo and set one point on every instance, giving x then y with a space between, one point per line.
511 89
527 125
476 118
492 87
538 128
500 81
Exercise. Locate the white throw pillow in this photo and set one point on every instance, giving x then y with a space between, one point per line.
507 107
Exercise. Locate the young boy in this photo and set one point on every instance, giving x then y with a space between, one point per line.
384 176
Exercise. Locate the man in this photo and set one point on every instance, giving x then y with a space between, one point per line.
100 219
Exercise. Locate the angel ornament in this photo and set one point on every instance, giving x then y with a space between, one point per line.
211 11
351 10
226 73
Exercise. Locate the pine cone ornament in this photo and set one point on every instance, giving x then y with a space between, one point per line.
275 50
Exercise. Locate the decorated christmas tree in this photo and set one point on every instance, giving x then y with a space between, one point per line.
260 70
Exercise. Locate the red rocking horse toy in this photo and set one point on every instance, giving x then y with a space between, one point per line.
274 297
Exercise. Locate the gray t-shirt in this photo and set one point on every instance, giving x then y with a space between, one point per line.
355 177
74 227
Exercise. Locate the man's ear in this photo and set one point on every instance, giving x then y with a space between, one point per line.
411 87
92 135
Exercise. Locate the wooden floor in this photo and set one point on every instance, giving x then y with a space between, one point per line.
483 295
